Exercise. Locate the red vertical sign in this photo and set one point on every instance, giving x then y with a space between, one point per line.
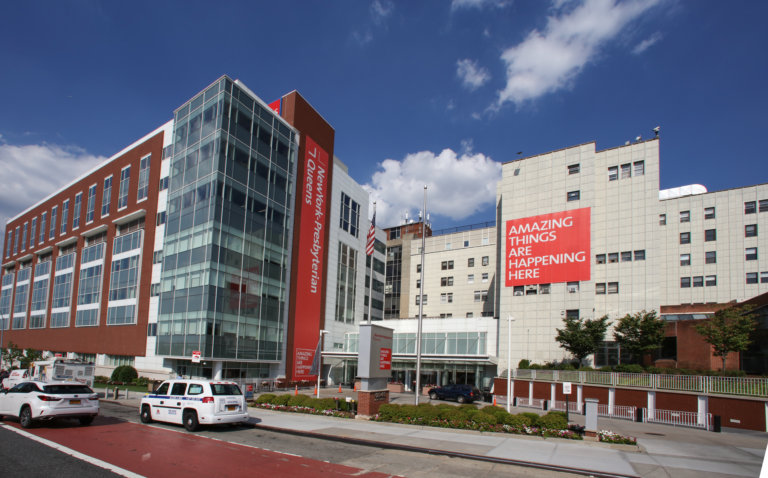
311 198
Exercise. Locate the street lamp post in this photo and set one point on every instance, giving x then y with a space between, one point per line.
320 367
510 319
421 298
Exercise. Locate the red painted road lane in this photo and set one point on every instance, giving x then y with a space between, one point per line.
155 452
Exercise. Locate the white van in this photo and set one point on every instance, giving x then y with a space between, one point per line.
194 403
16 377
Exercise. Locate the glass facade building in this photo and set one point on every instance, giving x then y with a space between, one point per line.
226 252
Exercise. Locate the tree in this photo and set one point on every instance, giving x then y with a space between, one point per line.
25 358
639 333
728 331
582 337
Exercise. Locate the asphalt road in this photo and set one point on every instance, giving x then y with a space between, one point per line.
19 453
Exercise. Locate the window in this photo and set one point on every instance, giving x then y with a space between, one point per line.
572 287
161 217
613 257
640 255
626 171
64 217
143 177
639 168
485 277
16 241
626 256
24 236
446 265
446 298
125 182
106 197
600 288
157 257
763 205
751 253
750 207
446 281
698 281
710 235
481 295
685 259
685 238
518 290
573 195
573 168
471 279
751 277
466 243
76 211
600 259
43 218
425 299
418 268
485 261
685 282
685 216
471 262
346 284
470 315
531 290
710 281
750 230
90 211
710 257
662 219
613 287
52 232
33 233
572 314
709 213
545 288
764 277
164 183
446 316
350 214
613 173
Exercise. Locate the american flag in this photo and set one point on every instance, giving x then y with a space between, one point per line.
371 235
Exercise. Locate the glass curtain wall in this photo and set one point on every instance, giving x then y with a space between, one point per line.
226 251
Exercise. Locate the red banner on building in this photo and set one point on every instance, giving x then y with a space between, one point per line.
548 248
385 359
312 195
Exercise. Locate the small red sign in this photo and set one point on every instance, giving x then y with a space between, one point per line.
250 388
196 356
385 359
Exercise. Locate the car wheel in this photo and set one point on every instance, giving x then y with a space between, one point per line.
146 414
85 421
433 396
190 421
461 399
25 417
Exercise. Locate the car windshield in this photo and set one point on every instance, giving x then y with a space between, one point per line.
225 389
66 389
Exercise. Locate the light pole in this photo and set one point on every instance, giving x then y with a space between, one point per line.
421 298
320 358
510 319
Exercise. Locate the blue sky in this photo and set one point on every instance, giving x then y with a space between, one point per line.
427 92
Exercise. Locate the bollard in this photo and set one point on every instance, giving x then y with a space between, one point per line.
117 393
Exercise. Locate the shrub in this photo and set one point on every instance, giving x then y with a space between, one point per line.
141 381
524 364
321 403
553 421
496 411
428 411
452 414
298 400
630 368
517 421
265 398
100 379
281 399
389 412
124 373
533 417
484 419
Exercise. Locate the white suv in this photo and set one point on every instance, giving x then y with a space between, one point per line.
194 403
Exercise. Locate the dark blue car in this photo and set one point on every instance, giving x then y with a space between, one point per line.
462 393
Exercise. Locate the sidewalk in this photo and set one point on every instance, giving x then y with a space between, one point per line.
663 450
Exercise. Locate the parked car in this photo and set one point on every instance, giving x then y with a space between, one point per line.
193 403
462 393
37 401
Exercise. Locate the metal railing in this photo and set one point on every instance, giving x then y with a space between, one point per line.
559 405
619 411
742 386
531 402
678 418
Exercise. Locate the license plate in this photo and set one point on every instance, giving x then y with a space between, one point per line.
74 402
231 408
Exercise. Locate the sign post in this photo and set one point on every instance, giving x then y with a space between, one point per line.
567 393
374 367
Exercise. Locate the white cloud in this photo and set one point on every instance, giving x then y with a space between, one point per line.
381 10
458 4
472 76
37 171
647 43
458 186
549 60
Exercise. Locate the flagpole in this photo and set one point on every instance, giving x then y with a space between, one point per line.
421 298
370 278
